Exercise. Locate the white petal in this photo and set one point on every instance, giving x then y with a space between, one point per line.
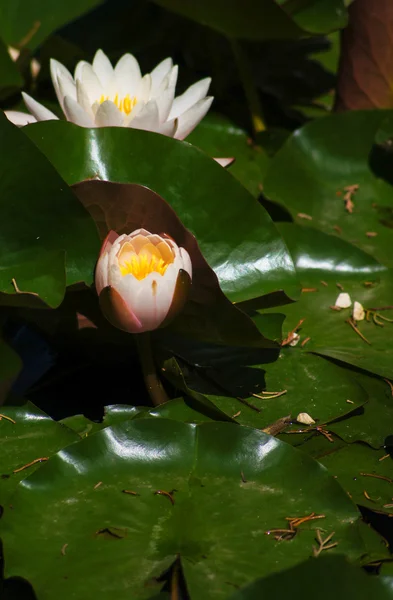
190 119
75 113
187 265
83 99
59 73
159 73
149 298
91 83
144 89
19 118
103 68
65 88
225 162
37 110
101 274
139 232
108 115
148 119
193 94
128 75
169 128
166 94
78 69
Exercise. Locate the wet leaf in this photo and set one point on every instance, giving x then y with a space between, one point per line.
233 231
202 463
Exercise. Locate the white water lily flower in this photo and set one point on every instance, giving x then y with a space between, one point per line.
100 95
142 280
358 312
343 300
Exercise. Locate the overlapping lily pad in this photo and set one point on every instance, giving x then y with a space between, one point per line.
234 233
176 476
10 76
28 437
332 576
311 171
366 474
219 137
41 221
28 24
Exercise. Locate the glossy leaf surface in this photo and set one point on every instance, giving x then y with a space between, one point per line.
42 220
311 171
136 537
234 233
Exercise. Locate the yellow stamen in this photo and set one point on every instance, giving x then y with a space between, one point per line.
125 104
140 265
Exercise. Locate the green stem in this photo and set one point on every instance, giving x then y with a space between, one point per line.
250 90
153 384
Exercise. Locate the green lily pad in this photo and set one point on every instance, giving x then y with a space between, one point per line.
126 540
363 475
332 576
372 424
295 383
308 175
10 76
26 435
41 221
327 267
115 413
234 233
236 19
29 24
219 137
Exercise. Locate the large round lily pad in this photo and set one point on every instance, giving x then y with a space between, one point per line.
212 494
234 233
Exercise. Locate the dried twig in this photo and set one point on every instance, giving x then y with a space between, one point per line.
30 464
350 190
291 334
352 324
323 544
7 419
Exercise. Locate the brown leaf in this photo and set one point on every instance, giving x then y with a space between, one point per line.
365 75
208 314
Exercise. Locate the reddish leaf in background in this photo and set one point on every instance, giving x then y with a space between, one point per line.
365 76
208 314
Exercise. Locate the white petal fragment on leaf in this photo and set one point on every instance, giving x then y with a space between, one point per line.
358 312
343 300
305 419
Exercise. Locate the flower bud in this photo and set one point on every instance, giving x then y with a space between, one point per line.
142 280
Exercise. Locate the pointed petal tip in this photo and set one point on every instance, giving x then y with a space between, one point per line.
225 162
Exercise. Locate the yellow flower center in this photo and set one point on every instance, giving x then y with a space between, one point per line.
140 265
125 104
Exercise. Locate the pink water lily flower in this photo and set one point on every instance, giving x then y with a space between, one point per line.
101 95
142 280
